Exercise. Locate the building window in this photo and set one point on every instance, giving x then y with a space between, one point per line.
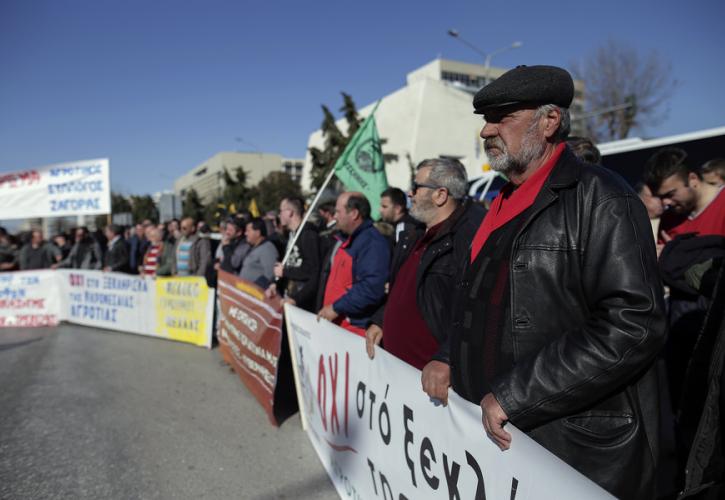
200 172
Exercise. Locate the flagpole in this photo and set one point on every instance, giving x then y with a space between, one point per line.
317 197
307 215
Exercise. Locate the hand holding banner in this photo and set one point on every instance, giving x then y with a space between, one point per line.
379 436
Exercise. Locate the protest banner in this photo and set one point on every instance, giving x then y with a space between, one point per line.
380 436
250 337
63 189
184 310
29 298
113 301
178 309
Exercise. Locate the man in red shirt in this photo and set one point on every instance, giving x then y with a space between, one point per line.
415 318
692 205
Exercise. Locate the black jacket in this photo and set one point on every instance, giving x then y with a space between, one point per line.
587 323
436 273
117 256
684 251
85 254
700 420
409 236
302 269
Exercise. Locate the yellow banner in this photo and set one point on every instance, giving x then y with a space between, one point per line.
182 309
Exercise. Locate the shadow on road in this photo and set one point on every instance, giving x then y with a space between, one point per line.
310 488
13 345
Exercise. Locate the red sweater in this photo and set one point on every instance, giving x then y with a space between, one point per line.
405 334
711 221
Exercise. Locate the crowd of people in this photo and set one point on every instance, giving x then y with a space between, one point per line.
173 248
549 307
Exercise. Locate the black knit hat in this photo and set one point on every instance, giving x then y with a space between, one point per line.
526 85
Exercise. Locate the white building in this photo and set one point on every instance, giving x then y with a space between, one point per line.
207 178
431 117
168 204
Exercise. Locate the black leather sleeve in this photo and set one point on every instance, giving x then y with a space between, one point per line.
623 328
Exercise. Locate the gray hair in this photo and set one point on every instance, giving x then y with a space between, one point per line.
564 125
448 173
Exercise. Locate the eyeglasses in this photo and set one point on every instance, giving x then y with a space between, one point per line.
416 185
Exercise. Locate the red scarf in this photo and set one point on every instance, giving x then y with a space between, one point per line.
509 203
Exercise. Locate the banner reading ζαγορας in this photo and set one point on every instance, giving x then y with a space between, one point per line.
64 189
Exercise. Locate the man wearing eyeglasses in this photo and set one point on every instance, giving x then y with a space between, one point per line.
558 318
413 325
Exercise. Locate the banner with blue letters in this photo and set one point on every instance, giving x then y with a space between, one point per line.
178 308
60 190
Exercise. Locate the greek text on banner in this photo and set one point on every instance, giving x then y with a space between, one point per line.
63 189
379 436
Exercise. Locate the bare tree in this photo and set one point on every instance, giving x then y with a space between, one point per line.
624 90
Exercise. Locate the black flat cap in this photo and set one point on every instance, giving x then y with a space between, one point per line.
526 85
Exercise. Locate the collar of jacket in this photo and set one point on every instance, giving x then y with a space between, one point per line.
409 219
565 173
362 227
452 221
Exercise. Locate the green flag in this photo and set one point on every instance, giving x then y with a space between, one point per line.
361 166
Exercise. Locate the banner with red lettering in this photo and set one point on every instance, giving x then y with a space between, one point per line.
250 337
29 298
380 436
63 189
180 309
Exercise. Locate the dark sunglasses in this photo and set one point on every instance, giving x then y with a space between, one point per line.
414 187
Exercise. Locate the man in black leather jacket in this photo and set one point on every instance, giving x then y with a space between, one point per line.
558 316
415 320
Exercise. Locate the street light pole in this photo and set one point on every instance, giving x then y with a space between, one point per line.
487 55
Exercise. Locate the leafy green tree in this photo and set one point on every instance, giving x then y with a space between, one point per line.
273 187
143 207
120 204
335 142
236 192
192 206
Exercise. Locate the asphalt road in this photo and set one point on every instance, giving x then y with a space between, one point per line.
92 414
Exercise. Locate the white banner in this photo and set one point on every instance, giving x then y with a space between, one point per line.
379 435
171 308
63 189
108 300
29 298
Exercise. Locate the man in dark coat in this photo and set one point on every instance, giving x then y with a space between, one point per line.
38 253
394 211
117 256
85 254
558 316
415 319
297 278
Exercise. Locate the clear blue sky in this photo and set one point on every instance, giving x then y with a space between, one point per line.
159 86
